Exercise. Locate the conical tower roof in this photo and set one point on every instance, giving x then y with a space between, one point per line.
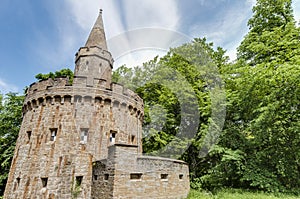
97 35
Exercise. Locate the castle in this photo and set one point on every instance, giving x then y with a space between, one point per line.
84 139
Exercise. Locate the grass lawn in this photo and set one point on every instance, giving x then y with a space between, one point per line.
237 194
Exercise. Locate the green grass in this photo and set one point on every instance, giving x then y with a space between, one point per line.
237 194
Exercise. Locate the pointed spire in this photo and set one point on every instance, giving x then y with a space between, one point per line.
97 35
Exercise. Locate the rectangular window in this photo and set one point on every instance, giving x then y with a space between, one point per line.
78 181
84 135
136 176
95 177
112 137
17 184
133 139
180 176
164 176
106 176
18 180
44 182
53 134
28 135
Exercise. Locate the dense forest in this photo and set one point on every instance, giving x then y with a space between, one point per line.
235 123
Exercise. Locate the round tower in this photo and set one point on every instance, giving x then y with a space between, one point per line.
67 127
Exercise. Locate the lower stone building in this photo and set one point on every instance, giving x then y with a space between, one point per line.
126 174
84 139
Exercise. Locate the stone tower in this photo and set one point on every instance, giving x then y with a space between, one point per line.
83 139
93 61
67 127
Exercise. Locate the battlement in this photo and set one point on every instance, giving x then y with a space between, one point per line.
59 90
94 51
46 84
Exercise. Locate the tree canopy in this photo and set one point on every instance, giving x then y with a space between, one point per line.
259 145
272 35
61 73
10 122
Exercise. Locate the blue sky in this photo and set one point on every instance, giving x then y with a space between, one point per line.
42 36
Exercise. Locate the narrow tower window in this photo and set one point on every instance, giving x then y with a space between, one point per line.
95 177
133 139
28 135
18 180
84 136
53 134
112 137
78 181
106 176
17 183
44 182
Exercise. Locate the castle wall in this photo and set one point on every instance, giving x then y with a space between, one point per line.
85 140
53 147
134 176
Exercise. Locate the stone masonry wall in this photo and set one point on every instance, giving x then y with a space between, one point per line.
60 166
103 180
136 176
85 140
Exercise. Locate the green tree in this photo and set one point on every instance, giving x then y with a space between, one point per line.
61 73
180 92
262 123
10 121
272 21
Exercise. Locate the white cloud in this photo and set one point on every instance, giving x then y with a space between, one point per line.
120 16
231 53
86 12
6 87
151 13
56 48
144 44
251 2
227 29
133 48
138 57
133 15
73 22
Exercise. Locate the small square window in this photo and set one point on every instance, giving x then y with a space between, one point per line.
136 176
44 182
53 134
180 176
95 177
